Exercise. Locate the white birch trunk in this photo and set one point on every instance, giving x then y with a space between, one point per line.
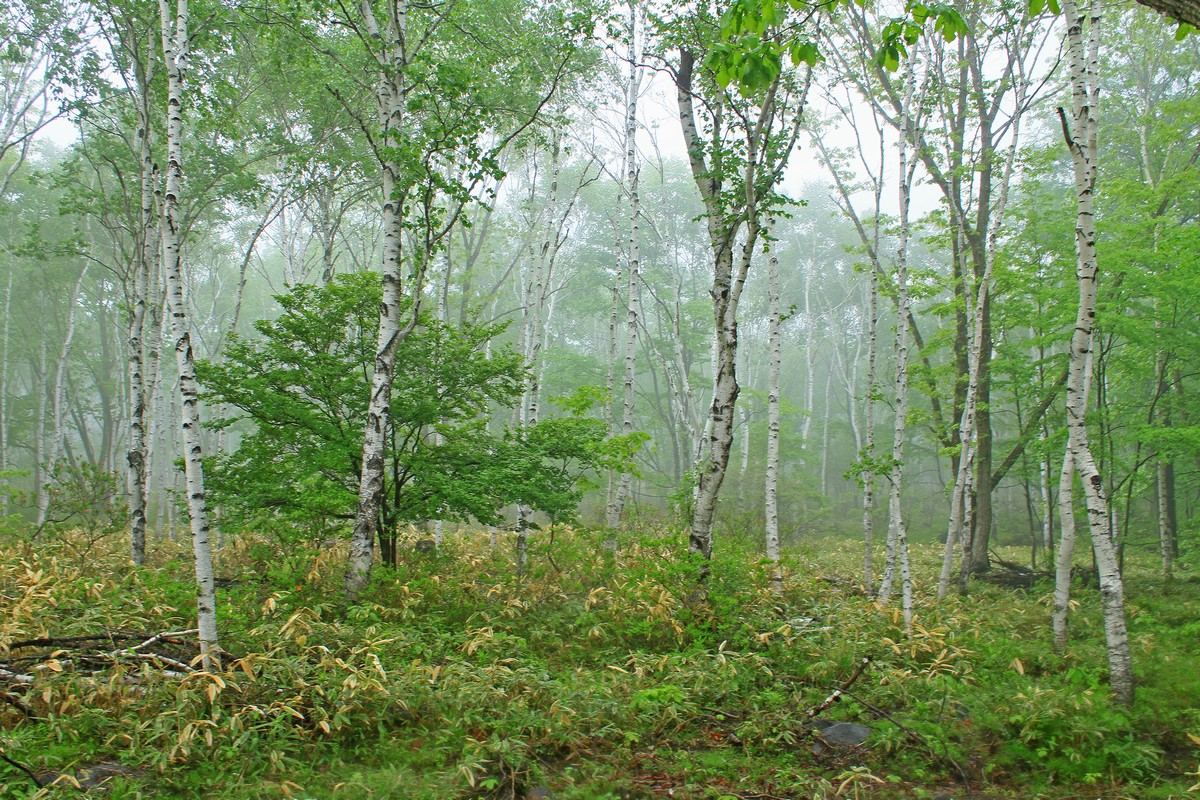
774 346
897 539
1083 45
867 449
390 108
810 357
175 44
633 288
39 438
146 262
4 388
153 341
1060 618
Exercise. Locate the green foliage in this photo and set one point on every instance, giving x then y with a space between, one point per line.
85 499
451 678
302 387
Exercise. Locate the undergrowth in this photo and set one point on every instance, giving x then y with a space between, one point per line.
596 676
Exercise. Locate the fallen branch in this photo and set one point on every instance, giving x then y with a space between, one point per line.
17 703
837 693
23 768
62 653
159 637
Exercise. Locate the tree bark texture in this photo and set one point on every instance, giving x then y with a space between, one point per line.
176 44
390 107
774 346
1080 132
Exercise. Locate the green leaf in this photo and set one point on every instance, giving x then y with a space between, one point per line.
805 53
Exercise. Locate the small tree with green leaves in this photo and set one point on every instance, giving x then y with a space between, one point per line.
301 392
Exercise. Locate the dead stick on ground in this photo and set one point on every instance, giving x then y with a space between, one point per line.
158 637
837 693
23 768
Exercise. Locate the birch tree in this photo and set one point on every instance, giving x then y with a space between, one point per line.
774 349
1080 132
176 46
414 145
737 149
633 252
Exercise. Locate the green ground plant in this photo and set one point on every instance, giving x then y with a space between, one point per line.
594 676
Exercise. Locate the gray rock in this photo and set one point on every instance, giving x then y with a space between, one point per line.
845 734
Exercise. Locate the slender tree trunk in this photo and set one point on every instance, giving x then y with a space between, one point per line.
52 450
774 346
1083 35
175 43
4 387
146 263
40 478
1162 475
897 529
633 288
810 357
152 341
390 93
868 449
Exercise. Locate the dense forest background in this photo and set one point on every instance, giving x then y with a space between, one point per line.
768 280
281 193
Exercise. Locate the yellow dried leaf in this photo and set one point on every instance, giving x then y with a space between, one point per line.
323 725
1018 666
1195 739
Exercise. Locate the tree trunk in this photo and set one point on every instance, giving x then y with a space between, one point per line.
897 548
774 345
390 106
4 388
53 448
175 53
40 478
633 288
868 449
146 263
1080 132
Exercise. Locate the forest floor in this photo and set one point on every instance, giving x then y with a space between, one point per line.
594 677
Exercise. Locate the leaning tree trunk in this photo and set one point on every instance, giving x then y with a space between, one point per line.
1080 132
725 394
175 44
